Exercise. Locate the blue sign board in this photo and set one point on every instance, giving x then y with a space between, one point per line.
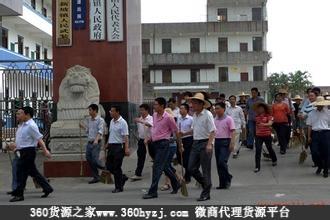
79 14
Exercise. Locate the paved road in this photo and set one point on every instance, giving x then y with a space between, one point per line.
288 183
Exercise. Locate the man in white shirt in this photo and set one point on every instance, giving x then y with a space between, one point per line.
319 134
237 114
173 105
202 149
28 138
117 148
184 123
144 124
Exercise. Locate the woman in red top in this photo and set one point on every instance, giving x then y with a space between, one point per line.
264 121
281 122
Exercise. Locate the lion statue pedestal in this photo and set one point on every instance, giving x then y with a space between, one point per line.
77 91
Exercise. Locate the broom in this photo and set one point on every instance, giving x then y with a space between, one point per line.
81 152
303 155
184 190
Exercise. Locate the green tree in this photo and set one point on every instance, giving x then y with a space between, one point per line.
296 83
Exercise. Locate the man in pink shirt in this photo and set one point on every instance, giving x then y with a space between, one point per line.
163 127
224 144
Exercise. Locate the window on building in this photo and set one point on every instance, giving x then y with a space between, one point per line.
33 4
12 47
223 74
194 45
195 75
257 43
222 14
46 57
223 44
146 76
243 47
37 52
20 41
43 8
167 76
4 38
32 55
145 46
166 46
27 51
258 74
256 14
244 77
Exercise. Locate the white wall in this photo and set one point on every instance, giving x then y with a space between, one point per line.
29 41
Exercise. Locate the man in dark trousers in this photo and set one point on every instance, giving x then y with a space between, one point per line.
28 138
163 127
202 148
117 148
94 129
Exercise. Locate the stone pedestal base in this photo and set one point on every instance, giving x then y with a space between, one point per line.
68 145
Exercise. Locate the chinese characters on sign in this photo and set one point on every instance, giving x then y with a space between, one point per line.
79 14
115 20
97 19
63 23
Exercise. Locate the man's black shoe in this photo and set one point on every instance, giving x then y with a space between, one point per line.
249 147
175 191
325 175
318 171
17 199
117 190
203 198
94 181
148 196
46 194
10 192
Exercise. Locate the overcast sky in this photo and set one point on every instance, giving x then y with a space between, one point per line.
298 37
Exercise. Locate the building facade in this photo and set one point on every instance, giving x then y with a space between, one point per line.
227 54
25 48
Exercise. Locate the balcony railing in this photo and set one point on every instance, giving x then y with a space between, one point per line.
236 2
221 58
39 13
203 28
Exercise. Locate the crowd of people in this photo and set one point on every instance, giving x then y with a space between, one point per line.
189 134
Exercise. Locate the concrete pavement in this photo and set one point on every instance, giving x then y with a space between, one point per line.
288 183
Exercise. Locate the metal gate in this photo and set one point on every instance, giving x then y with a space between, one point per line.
25 83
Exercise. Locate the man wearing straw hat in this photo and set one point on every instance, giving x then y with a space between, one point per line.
318 122
202 148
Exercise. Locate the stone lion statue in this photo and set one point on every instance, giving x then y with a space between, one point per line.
77 91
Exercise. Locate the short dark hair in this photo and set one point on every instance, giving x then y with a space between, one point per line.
186 106
161 101
187 93
317 89
254 89
117 108
28 110
222 95
172 100
308 90
145 106
278 94
314 92
232 96
94 107
221 105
